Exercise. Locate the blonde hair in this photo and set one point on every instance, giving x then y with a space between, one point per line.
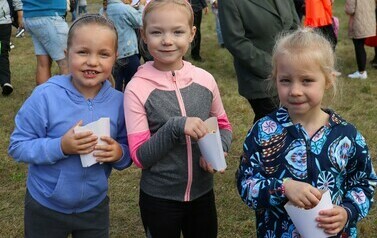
155 4
305 44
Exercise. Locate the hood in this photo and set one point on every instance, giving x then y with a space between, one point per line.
64 82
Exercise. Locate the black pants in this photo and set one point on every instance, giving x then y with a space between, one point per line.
263 106
361 55
195 45
328 32
5 33
164 218
42 222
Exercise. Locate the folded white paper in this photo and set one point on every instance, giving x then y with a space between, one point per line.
304 220
211 147
99 128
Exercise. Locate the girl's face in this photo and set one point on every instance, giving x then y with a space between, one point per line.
168 35
90 59
301 85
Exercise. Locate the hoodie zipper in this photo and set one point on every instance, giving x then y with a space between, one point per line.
309 161
90 107
188 140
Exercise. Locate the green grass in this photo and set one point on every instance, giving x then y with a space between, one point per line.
356 102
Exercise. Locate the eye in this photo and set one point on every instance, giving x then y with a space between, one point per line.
179 32
155 32
308 80
82 52
104 55
284 80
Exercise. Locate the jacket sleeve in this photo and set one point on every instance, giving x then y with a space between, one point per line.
146 149
121 138
350 7
133 16
241 47
17 4
218 111
29 142
255 188
361 182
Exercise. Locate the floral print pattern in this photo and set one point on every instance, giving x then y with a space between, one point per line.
336 158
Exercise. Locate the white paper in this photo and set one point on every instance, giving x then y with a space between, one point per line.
99 128
211 147
304 220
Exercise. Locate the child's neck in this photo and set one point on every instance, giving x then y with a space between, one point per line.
313 124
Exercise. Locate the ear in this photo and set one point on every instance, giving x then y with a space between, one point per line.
65 53
192 33
143 36
330 81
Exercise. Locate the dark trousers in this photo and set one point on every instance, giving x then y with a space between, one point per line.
5 33
195 45
124 69
164 218
361 55
328 32
41 222
263 106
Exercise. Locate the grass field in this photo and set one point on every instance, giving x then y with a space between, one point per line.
356 102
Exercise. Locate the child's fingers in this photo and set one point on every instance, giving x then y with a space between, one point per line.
107 139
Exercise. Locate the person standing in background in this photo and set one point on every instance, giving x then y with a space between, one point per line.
198 6
127 20
82 7
318 15
249 29
45 22
215 11
5 34
362 24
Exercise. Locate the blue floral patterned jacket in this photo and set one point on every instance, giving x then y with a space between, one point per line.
336 158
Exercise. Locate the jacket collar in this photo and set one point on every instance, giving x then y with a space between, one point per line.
263 4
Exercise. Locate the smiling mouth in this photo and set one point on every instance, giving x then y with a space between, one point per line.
90 72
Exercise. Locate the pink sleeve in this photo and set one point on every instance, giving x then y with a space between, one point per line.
218 109
136 123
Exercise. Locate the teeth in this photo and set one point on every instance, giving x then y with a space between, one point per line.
90 72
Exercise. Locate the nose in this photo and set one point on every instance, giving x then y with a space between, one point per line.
295 90
166 40
92 60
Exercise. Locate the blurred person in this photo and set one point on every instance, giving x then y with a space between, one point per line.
127 20
82 7
249 29
45 22
5 45
362 24
198 6
318 15
215 11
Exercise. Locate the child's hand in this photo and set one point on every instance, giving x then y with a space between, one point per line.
206 166
302 194
195 128
332 220
111 152
78 143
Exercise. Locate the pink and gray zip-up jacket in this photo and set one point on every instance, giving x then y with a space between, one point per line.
156 105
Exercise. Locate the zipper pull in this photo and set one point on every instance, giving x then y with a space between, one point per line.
173 74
